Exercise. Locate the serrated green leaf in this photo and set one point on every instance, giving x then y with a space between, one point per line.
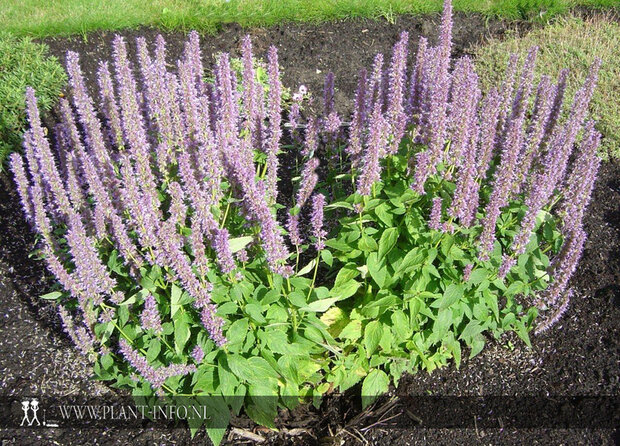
309 267
352 331
54 295
346 290
320 306
181 334
452 294
154 349
346 273
367 243
372 335
477 276
377 269
237 244
237 331
374 385
413 258
387 241
327 257
255 311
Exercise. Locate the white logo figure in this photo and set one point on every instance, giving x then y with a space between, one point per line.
34 404
25 408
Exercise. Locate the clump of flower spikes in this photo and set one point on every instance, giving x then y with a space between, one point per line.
164 122
499 137
163 133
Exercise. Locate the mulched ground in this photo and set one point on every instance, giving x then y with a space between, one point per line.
580 356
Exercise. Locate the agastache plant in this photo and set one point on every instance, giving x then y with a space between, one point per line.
437 215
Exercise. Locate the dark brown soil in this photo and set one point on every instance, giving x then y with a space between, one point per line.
580 356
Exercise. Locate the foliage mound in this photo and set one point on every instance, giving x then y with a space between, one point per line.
22 63
438 218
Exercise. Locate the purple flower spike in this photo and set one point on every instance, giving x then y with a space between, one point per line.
17 166
198 354
396 91
275 118
467 271
318 202
150 317
557 314
328 94
213 324
563 267
435 218
312 138
358 121
507 263
155 377
371 168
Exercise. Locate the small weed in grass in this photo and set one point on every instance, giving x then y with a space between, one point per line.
22 63
573 43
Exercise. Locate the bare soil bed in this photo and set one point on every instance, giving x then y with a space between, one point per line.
578 357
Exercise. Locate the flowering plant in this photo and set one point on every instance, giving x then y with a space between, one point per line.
438 217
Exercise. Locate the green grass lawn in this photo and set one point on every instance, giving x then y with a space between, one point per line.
61 17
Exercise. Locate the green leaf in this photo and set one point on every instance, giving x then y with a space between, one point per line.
388 241
252 370
367 243
477 276
413 258
237 331
255 312
263 408
309 267
522 332
377 269
204 380
383 213
181 333
372 336
442 323
353 330
339 245
320 306
327 257
374 385
477 345
237 244
402 329
218 418
227 308
452 294
154 349
340 204
175 299
346 290
54 295
471 330
297 298
346 273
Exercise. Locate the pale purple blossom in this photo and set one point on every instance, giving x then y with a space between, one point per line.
198 354
435 217
318 202
150 317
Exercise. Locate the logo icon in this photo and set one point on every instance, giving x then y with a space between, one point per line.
27 407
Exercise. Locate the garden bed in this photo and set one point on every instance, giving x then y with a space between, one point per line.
580 356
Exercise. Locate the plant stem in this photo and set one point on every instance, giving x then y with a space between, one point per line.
316 269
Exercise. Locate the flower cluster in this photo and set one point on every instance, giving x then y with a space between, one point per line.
514 132
159 214
142 183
